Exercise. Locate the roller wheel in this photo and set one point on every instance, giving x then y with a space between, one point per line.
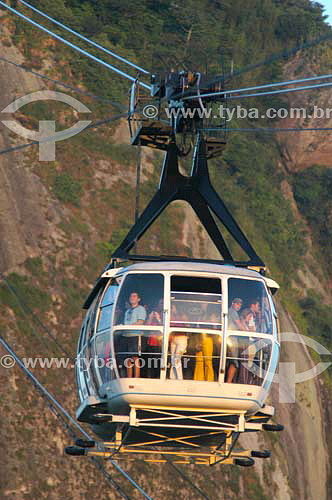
74 451
244 462
261 454
273 427
84 444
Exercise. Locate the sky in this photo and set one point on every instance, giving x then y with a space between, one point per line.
328 9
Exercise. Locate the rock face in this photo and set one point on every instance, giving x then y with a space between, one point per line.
304 439
307 110
25 210
32 464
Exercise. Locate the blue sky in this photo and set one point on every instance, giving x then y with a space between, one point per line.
328 8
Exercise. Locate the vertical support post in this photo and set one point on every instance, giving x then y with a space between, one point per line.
118 436
132 416
241 423
228 443
138 186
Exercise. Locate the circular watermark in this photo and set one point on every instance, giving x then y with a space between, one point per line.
7 361
287 377
150 111
47 136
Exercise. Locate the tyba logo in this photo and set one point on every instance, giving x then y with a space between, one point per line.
287 378
46 135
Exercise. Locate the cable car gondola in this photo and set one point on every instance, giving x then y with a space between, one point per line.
161 357
176 355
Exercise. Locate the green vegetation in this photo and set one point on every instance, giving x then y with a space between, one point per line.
34 265
73 225
250 184
319 318
107 248
121 153
35 298
312 191
248 178
74 297
197 33
67 189
318 325
239 33
159 35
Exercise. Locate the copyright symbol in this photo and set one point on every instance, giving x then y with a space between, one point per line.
150 111
7 361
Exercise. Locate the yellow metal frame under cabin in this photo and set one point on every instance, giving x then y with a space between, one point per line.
225 453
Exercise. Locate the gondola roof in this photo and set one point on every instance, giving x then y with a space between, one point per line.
189 266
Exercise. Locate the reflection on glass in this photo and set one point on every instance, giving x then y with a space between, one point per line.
90 374
106 309
194 356
266 315
274 326
110 294
195 310
249 306
103 359
138 349
247 359
105 318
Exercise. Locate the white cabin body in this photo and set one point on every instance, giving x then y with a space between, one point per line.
180 335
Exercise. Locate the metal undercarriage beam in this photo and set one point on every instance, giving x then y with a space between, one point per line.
159 443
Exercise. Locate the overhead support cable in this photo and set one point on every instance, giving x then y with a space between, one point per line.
272 92
26 309
104 472
124 115
52 137
259 87
284 54
63 415
186 478
62 84
91 42
75 47
271 129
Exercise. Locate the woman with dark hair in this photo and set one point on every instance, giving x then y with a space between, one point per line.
247 322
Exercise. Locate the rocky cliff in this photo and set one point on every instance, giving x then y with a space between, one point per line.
52 248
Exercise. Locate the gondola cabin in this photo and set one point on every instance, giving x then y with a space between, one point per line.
178 354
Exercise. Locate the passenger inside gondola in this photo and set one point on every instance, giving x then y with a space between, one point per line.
247 359
255 308
194 354
206 358
234 322
137 305
132 340
248 294
266 316
232 361
153 343
247 321
178 342
251 313
204 367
